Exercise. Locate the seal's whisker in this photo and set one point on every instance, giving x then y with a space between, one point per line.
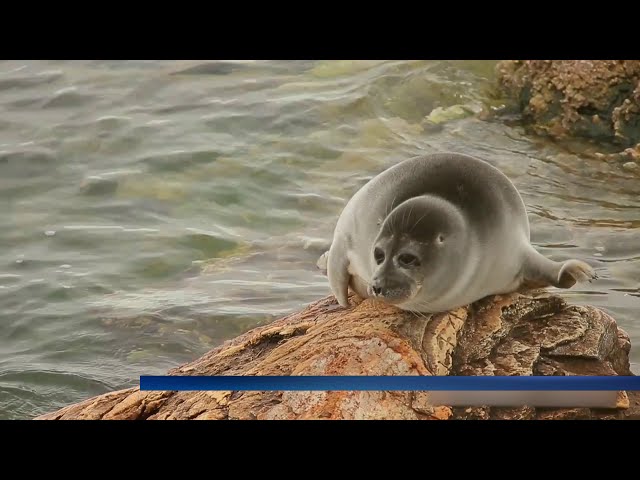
422 306
409 216
421 314
388 211
419 220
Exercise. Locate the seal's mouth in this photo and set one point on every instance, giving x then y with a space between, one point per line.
393 296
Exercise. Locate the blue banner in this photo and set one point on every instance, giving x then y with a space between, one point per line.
397 383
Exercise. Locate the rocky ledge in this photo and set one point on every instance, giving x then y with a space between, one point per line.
530 333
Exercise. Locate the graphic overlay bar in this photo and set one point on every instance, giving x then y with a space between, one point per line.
398 383
533 391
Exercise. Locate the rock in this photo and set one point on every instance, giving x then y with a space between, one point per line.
530 333
97 185
442 115
597 99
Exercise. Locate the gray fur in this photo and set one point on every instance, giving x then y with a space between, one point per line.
459 218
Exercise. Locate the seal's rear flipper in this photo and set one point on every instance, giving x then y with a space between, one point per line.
575 271
541 271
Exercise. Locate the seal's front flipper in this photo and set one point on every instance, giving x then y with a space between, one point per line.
322 262
338 273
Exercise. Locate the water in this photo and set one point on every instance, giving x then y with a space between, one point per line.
150 210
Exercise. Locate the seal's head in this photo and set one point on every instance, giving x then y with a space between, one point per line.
418 249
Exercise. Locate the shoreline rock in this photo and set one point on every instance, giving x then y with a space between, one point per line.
593 99
528 333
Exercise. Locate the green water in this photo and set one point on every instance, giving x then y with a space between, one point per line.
151 210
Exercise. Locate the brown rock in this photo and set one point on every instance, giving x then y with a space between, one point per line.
531 333
581 98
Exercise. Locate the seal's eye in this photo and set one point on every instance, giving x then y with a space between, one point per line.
408 260
378 255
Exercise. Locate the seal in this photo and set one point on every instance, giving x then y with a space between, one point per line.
437 232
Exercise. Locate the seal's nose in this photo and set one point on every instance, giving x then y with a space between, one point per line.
377 287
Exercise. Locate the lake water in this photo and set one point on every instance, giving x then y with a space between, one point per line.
150 210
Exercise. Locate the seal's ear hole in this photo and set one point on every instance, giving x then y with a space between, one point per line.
440 238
